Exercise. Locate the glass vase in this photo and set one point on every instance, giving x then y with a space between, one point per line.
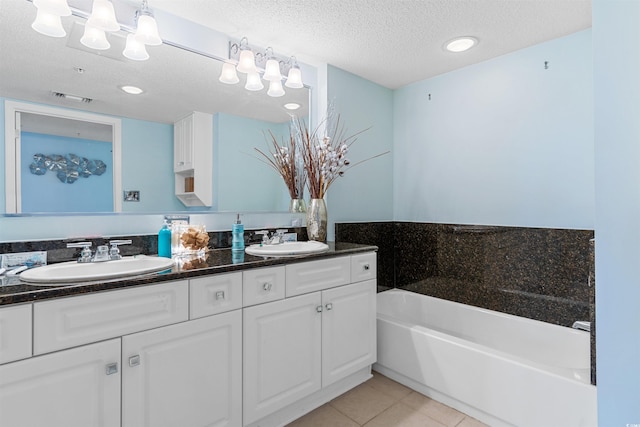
297 206
317 220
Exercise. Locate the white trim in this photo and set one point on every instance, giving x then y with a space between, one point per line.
12 152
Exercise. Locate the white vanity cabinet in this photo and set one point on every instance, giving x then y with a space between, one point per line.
193 159
189 374
304 343
79 387
257 347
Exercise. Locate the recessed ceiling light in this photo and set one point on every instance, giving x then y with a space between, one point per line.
133 90
292 106
460 44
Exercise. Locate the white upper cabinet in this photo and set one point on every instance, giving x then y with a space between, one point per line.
193 159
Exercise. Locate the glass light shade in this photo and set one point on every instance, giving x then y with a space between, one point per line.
48 24
54 7
254 82
272 71
94 38
275 89
247 62
228 74
294 78
134 49
147 31
103 16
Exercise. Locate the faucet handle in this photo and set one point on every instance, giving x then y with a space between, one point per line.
85 254
114 252
265 236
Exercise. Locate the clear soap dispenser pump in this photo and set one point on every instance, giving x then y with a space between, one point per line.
237 235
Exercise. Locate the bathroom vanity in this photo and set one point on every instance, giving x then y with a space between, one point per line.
256 343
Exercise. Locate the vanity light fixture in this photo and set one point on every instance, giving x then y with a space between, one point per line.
101 20
103 16
251 64
292 106
48 24
134 49
147 27
133 90
228 75
94 38
461 44
48 18
275 89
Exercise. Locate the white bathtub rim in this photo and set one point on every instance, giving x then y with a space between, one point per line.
565 374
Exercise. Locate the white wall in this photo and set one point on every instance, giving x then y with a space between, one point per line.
504 142
616 45
365 192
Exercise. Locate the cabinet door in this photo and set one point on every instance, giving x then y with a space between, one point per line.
281 344
348 330
183 144
72 388
186 375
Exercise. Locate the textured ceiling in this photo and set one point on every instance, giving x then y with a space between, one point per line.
390 42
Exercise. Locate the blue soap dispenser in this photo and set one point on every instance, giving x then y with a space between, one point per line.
164 241
237 235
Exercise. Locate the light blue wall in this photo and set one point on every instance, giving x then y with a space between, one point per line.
240 178
616 45
365 192
504 142
147 165
46 193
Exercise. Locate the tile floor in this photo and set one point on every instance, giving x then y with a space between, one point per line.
382 402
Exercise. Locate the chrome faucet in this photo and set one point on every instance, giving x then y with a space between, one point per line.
103 253
275 239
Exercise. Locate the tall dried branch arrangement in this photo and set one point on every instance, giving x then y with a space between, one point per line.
285 159
324 156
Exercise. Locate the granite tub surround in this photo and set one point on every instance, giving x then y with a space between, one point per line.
537 273
379 234
215 261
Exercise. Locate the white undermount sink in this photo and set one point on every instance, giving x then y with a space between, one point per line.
288 249
66 272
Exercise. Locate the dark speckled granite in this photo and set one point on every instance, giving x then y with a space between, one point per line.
215 261
538 273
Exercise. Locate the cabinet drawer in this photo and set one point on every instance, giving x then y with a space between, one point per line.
215 294
262 285
15 333
314 276
73 321
363 267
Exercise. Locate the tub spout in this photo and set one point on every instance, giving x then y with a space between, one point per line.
582 325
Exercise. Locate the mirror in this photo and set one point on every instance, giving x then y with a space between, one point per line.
36 68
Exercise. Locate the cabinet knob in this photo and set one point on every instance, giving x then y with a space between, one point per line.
111 368
319 309
134 360
365 267
267 286
220 295
329 306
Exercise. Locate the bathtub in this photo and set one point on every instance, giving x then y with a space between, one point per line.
501 369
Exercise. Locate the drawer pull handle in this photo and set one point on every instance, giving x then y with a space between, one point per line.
365 267
319 309
267 286
220 295
111 368
134 360
329 306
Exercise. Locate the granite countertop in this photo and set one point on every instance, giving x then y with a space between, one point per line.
13 291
